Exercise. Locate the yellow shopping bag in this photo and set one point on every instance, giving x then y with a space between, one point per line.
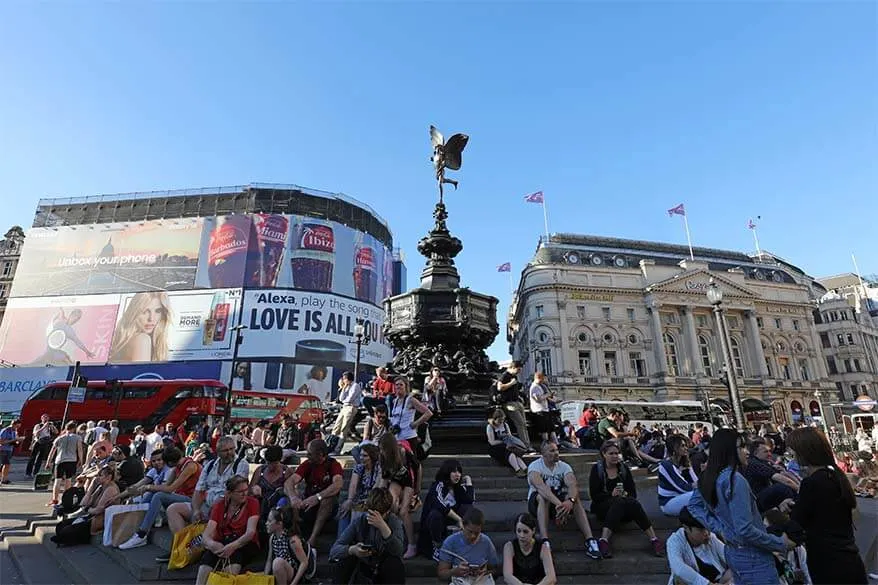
188 546
254 579
217 577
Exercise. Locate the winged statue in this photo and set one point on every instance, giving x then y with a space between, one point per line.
446 155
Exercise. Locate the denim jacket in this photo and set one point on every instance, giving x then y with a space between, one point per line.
736 519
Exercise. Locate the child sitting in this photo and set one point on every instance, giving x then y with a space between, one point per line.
290 560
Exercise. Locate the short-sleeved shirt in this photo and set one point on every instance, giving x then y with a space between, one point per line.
318 477
67 448
213 483
510 394
229 529
477 553
381 388
8 434
552 477
604 428
758 474
367 481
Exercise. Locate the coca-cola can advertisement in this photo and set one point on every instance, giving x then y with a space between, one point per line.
159 326
109 258
230 253
310 327
58 331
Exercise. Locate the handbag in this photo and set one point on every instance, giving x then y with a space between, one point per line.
219 576
188 546
121 522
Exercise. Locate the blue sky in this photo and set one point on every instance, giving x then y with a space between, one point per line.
616 110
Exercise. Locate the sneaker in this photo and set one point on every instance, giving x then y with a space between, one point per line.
312 563
410 553
163 558
604 546
658 548
592 549
6 482
135 541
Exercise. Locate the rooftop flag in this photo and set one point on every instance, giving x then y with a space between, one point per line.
678 210
535 197
505 267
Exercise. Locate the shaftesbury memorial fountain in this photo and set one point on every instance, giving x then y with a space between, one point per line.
440 323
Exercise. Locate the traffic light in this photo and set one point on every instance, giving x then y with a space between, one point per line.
78 380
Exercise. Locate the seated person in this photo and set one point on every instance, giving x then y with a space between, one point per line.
158 473
613 427
289 559
554 493
503 447
677 479
230 534
614 499
468 554
179 489
527 560
398 471
79 529
129 468
321 476
365 476
448 499
695 555
770 484
867 472
268 480
370 549
377 425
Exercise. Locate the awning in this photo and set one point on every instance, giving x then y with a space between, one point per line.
747 405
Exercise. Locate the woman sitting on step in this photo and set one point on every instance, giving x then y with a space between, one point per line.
527 560
448 499
79 529
614 499
503 447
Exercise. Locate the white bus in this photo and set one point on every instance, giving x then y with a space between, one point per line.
679 414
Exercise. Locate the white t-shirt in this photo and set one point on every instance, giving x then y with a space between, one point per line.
539 401
553 477
153 442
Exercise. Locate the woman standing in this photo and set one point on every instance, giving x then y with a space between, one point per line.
404 422
824 508
448 499
725 504
500 446
527 560
614 499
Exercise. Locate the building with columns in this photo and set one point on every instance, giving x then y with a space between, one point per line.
10 250
608 318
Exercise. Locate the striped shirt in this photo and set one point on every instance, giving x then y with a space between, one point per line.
673 482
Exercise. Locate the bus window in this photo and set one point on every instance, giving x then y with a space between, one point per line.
139 393
51 393
98 394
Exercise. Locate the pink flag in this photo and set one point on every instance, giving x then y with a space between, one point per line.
678 210
505 267
534 197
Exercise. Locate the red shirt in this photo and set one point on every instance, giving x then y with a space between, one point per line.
587 418
188 487
381 388
231 527
318 477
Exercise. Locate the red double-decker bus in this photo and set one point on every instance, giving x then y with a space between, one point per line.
140 402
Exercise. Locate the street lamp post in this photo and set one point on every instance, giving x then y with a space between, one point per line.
715 296
239 338
359 339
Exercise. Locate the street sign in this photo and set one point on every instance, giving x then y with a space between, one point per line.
76 395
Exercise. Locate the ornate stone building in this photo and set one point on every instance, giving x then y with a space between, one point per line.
608 318
10 250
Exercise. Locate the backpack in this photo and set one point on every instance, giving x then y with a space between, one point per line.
70 499
90 437
140 448
207 468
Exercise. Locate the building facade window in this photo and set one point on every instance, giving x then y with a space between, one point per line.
824 341
804 369
701 321
796 324
850 339
638 364
607 313
857 367
706 355
847 366
831 367
610 365
737 361
7 268
585 363
580 311
539 310
732 320
759 322
778 324
840 338
784 364
631 314
768 367
671 355
2 290
544 361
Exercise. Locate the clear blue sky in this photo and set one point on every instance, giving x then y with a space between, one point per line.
617 110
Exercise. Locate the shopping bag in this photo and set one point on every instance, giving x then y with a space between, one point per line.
254 579
120 522
219 576
188 546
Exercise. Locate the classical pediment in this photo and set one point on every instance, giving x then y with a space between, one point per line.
695 282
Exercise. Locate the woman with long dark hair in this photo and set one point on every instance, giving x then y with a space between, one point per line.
527 560
724 503
824 508
448 499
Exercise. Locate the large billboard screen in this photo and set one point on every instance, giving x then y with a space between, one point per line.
16 384
310 327
107 258
58 331
245 250
126 328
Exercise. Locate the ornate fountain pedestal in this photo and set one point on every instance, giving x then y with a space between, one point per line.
441 324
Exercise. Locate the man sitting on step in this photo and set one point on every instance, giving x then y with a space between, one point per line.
554 493
468 557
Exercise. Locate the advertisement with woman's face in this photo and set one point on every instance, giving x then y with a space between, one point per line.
159 326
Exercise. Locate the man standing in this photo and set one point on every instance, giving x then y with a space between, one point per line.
554 493
8 440
350 395
509 390
67 454
41 441
322 477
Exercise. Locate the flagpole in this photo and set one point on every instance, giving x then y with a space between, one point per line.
545 219
512 290
756 240
688 237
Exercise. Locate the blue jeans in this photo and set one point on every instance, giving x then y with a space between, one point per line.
160 501
751 566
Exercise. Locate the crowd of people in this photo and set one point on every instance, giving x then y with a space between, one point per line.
773 506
